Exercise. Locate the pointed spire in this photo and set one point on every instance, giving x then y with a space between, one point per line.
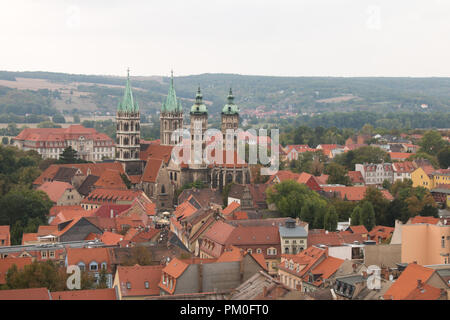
128 104
199 97
171 104
199 106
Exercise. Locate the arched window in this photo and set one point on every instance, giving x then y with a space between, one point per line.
82 266
163 189
125 127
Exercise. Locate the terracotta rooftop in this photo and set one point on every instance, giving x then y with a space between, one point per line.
110 179
152 169
175 268
139 280
96 294
55 189
356 177
230 208
25 294
407 282
420 219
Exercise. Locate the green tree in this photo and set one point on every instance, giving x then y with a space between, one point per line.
337 174
331 219
289 197
432 142
379 203
59 118
20 207
37 275
429 210
443 157
367 217
356 216
102 280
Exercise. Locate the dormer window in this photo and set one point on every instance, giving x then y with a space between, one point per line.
104 265
146 285
93 266
128 285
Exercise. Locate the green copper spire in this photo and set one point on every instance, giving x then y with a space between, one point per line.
171 104
128 104
230 107
199 107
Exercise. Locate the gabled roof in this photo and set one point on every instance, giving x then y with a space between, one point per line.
67 215
151 170
404 167
175 268
407 282
355 177
25 294
110 179
254 235
185 209
110 238
95 294
105 210
155 151
88 255
112 195
326 269
55 189
231 208
425 292
358 229
219 232
133 280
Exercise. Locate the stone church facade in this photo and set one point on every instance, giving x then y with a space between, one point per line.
151 167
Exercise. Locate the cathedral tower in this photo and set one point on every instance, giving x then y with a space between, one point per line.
230 117
128 127
199 121
171 116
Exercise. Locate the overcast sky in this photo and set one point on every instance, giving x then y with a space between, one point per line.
257 37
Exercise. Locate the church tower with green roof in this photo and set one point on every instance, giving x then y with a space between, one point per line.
127 127
230 117
171 116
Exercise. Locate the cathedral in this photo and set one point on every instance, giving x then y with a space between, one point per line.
151 167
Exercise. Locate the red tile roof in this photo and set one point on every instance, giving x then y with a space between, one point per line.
156 151
67 215
57 209
326 269
110 238
185 209
96 294
404 167
25 294
420 219
55 189
231 208
425 292
400 155
358 229
88 255
175 268
407 282
219 232
379 233
5 235
105 210
110 179
258 235
136 277
151 170
322 179
99 196
320 236
86 169
356 177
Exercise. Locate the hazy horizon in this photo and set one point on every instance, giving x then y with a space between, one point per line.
285 38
